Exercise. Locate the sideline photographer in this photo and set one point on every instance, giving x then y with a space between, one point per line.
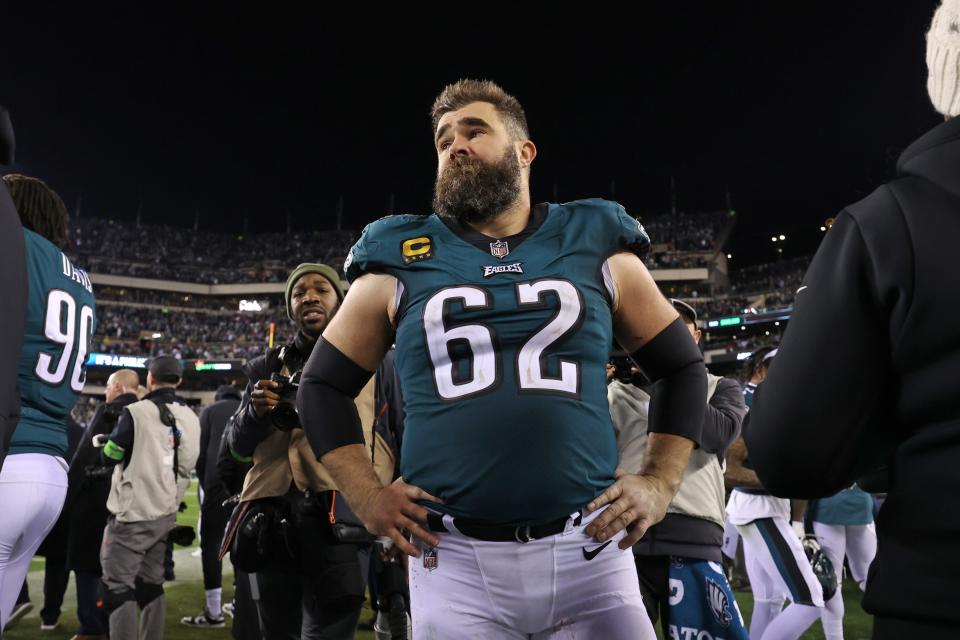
154 447
292 527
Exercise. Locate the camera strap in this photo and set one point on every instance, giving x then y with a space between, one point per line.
167 418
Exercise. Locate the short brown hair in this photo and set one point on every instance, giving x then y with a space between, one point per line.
463 92
41 209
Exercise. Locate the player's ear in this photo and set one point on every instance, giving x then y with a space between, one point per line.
526 152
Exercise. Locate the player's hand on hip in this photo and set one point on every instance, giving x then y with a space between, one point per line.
392 510
636 502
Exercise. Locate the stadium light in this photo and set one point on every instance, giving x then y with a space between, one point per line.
782 237
773 239
729 256
822 228
777 323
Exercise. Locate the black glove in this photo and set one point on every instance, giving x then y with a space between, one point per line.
182 507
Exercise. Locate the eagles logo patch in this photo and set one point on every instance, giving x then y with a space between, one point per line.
416 249
719 603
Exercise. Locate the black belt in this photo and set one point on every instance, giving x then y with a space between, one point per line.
499 533
753 492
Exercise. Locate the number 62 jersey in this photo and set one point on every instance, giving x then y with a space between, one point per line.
60 323
501 350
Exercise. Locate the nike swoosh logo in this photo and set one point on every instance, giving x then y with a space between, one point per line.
590 555
801 288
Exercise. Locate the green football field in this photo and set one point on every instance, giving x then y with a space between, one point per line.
185 597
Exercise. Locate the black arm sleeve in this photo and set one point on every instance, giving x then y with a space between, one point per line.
679 399
810 416
725 412
329 384
119 445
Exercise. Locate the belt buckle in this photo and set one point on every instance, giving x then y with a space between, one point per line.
522 534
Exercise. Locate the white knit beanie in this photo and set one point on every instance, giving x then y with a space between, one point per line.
943 58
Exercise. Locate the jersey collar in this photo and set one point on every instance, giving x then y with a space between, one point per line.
471 236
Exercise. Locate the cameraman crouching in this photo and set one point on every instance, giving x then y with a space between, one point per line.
288 528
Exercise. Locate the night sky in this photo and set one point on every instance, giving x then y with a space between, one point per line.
272 109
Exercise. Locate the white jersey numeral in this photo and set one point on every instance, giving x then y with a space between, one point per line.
479 338
477 342
530 361
60 327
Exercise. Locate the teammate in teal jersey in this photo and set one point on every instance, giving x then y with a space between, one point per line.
503 315
60 322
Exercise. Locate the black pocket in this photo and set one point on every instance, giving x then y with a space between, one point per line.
264 536
339 583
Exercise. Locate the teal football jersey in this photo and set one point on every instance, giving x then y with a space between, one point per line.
501 349
60 322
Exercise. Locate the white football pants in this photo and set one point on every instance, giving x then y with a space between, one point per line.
859 544
541 589
32 489
778 569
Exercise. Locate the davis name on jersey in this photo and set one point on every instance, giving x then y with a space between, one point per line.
60 322
501 350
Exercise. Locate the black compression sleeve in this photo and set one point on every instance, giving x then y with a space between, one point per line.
679 399
329 383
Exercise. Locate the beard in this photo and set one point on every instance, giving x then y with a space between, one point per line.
316 330
473 191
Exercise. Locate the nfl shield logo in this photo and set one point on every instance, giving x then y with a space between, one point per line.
499 249
430 558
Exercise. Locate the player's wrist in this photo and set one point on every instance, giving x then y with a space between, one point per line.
367 504
664 484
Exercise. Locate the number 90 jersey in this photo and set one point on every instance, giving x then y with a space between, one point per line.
501 349
60 323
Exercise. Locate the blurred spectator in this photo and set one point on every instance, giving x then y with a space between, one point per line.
213 513
87 503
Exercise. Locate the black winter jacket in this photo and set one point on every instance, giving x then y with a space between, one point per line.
13 265
868 375
213 422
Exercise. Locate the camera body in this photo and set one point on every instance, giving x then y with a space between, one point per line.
626 371
284 415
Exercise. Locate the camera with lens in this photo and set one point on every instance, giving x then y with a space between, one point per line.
625 369
284 415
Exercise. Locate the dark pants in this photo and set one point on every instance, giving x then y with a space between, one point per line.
654 574
213 521
886 628
291 608
24 593
55 578
168 573
93 619
246 619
